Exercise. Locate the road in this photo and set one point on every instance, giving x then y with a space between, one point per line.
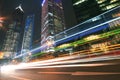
86 70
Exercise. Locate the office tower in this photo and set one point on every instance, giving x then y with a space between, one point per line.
70 19
28 32
18 25
2 31
52 21
12 42
2 36
86 9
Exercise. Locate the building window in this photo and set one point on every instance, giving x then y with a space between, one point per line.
100 1
112 1
79 2
110 6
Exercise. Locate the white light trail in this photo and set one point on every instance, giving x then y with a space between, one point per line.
7 69
73 65
61 62
68 61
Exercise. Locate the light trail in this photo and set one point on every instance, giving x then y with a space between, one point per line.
75 65
73 61
57 63
79 73
88 29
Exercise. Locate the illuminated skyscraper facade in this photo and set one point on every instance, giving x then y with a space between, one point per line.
52 21
28 32
2 36
12 42
86 9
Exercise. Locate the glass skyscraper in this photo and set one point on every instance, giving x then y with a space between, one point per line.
86 9
12 42
52 21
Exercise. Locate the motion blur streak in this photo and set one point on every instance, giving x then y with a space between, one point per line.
80 73
8 69
55 63
76 65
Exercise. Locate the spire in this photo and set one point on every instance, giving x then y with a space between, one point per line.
19 7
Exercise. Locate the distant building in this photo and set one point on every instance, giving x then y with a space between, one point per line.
2 31
18 27
52 21
2 37
86 9
12 42
28 32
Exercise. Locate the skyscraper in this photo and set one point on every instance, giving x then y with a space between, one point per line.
12 43
52 21
86 9
2 31
28 31
2 36
18 27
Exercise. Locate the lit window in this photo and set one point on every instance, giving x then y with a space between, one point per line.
51 14
113 1
100 1
80 1
102 5
111 6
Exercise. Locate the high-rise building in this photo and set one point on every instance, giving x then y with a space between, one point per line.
2 31
18 27
28 32
2 36
86 9
12 42
52 21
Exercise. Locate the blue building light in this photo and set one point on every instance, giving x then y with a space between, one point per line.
43 2
83 34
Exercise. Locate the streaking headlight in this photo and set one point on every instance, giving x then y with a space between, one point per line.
8 68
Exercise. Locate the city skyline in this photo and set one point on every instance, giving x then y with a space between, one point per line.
59 39
27 7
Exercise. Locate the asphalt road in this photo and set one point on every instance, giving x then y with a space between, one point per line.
93 70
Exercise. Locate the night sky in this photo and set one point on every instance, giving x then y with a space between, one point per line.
29 6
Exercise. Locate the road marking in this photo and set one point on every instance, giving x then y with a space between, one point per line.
94 73
19 78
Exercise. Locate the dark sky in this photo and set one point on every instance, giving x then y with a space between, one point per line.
29 7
